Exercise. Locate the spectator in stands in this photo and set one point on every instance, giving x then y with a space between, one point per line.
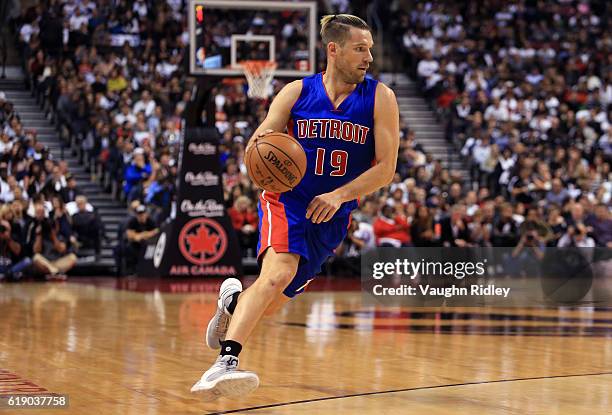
367 212
422 228
86 226
346 261
521 186
52 256
428 72
145 105
365 233
454 228
60 220
116 82
5 143
13 259
575 214
557 194
56 182
533 223
70 192
139 229
556 223
527 255
601 226
138 171
158 194
6 194
391 228
244 220
480 229
505 228
125 116
6 109
231 177
51 32
576 236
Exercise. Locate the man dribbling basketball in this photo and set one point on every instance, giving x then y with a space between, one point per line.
335 116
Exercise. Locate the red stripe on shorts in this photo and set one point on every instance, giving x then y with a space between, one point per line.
274 225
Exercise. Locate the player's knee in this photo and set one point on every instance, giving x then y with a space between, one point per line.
278 280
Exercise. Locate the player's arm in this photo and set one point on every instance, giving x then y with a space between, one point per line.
279 112
386 131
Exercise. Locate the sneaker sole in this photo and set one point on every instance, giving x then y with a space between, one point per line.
230 386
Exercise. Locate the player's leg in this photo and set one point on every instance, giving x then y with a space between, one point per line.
278 269
280 248
281 227
229 293
276 304
223 378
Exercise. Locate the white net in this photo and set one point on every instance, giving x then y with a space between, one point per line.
259 75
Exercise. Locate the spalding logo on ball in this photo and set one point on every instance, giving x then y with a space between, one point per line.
276 162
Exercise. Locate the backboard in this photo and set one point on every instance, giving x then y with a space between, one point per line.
225 32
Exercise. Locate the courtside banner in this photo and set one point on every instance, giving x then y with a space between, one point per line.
198 240
526 276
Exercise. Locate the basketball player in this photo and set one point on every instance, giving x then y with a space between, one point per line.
348 125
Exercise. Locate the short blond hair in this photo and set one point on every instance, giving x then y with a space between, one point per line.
336 27
5 210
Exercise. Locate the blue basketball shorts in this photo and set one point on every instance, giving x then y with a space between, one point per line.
284 227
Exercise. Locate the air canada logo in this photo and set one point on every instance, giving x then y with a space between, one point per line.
202 241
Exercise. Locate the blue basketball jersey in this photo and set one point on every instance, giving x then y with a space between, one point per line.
339 142
339 146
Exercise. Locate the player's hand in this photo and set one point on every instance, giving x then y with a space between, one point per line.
251 142
323 207
268 131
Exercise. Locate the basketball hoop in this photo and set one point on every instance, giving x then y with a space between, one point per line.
259 75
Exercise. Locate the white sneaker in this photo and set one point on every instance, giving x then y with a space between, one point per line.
217 326
224 379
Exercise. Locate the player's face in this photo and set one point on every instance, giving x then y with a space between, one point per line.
354 57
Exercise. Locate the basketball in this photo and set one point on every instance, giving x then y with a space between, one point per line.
276 162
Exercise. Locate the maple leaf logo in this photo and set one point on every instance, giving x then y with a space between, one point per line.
203 242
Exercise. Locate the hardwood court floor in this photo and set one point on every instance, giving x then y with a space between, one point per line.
123 352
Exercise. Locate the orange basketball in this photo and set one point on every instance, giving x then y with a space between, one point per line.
276 162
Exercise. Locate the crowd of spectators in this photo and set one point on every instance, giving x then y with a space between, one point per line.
524 89
114 75
44 218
